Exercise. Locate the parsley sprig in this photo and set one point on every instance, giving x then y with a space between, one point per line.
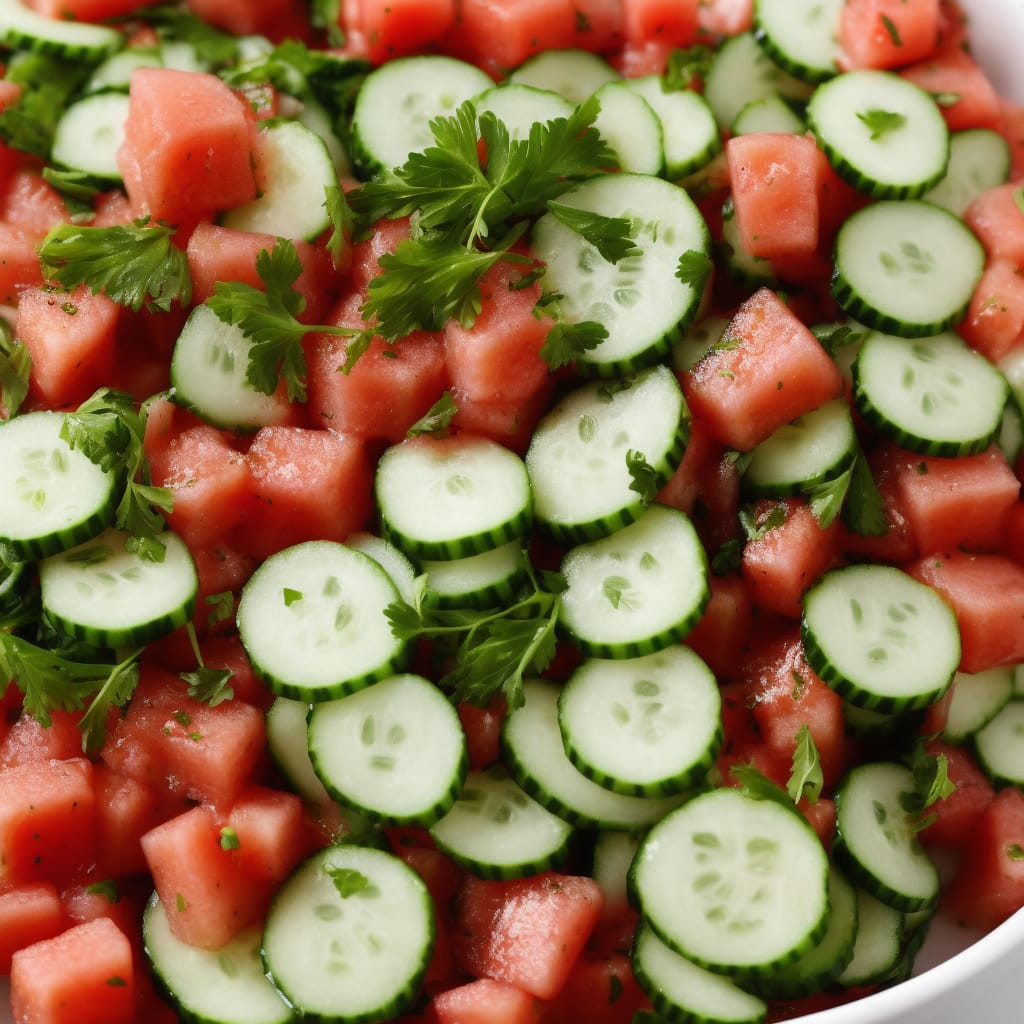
134 264
51 682
931 784
15 366
269 318
493 649
109 430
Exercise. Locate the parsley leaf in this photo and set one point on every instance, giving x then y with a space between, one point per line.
269 318
881 122
437 419
694 268
349 882
757 786
756 526
134 264
342 222
325 15
643 477
931 784
210 685
864 512
833 337
109 431
15 366
566 342
685 66
890 27
48 84
493 649
609 235
49 682
805 779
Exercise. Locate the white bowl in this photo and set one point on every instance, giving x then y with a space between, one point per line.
959 976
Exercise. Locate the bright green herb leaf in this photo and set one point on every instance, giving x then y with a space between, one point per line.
756 786
694 268
685 67
566 342
134 264
609 235
210 685
890 27
881 122
437 419
805 778
15 367
107 889
350 882
643 476
931 784
229 839
756 527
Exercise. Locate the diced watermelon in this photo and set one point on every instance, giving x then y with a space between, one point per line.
956 816
29 742
673 22
887 33
509 423
29 202
956 503
969 100
208 897
249 17
528 932
270 830
28 913
85 975
47 821
211 482
19 267
989 883
782 563
773 371
997 219
126 808
179 744
724 630
775 179
397 28
189 146
310 485
498 359
986 591
725 17
600 989
485 1001
387 390
70 337
994 321
225 651
896 544
84 10
482 727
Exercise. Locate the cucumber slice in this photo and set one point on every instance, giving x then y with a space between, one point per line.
109 596
533 753
906 268
640 301
801 36
519 107
486 580
390 559
1000 745
452 497
399 99
295 170
979 159
394 751
646 726
89 134
54 497
22 28
572 73
880 638
934 396
803 454
680 990
495 830
115 72
288 744
878 946
732 883
349 936
881 133
631 128
223 986
578 456
768 114
639 590
209 367
311 619
976 698
876 841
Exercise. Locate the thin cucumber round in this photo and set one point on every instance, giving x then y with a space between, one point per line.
394 751
975 699
311 619
288 745
1000 745
572 73
979 159
876 841
801 36
452 497
680 990
640 301
223 986
878 946
209 367
520 107
578 459
114 73
768 114
732 883
646 726
496 830
881 133
349 936
89 134
799 456
907 268
107 595
690 138
934 396
22 28
389 558
639 590
399 99
880 638
296 168
533 753
54 497
631 128
476 581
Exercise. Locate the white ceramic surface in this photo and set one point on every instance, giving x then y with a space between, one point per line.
960 977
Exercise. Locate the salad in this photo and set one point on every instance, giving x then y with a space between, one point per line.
509 512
